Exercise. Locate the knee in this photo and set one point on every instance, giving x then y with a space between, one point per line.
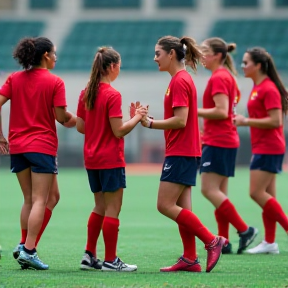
162 208
254 195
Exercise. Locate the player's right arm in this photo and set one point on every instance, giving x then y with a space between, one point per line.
4 149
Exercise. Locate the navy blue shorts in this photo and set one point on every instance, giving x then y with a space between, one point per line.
218 160
265 162
180 170
106 180
38 162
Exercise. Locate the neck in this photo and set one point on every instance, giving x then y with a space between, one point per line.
258 78
215 67
174 70
105 79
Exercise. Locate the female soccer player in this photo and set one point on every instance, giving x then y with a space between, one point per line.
220 140
182 152
266 105
100 119
37 97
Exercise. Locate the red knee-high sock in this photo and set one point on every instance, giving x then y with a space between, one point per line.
23 236
270 228
110 235
94 227
228 209
192 223
223 224
47 216
189 243
275 212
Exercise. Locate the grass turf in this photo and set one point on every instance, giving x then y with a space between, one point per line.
146 238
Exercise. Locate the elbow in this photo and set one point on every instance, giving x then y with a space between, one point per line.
223 115
182 124
119 134
276 124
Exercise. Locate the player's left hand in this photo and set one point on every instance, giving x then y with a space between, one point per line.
239 120
4 146
133 107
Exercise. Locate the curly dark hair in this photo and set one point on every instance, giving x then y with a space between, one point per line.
29 51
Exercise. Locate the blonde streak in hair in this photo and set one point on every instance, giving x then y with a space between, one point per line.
193 53
229 64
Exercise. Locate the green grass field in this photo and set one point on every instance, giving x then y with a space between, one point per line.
146 238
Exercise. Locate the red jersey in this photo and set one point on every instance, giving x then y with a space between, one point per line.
181 92
221 132
33 94
102 149
264 97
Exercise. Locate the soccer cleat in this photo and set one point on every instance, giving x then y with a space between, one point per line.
31 261
246 238
118 266
227 249
17 250
214 250
264 248
90 263
183 265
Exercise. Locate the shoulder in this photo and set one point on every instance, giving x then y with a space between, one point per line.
182 78
222 75
113 93
268 86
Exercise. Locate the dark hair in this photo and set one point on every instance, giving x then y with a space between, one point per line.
191 53
29 51
260 55
104 57
218 45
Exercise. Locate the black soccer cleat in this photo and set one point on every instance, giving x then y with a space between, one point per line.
246 238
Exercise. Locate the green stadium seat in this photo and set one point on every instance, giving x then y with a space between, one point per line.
240 3
43 4
177 3
135 41
272 34
111 4
14 31
281 3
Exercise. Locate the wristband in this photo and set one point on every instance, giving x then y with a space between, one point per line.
150 124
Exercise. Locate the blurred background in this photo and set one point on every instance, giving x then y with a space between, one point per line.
79 27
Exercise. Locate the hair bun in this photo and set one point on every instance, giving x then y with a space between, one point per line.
231 47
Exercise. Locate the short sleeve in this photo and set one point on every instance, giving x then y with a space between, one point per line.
114 106
6 89
272 99
218 86
81 111
180 93
59 97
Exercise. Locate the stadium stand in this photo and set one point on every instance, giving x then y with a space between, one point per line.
177 4
127 37
43 4
248 33
240 3
15 30
111 4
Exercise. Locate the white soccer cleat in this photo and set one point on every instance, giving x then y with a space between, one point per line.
264 248
118 266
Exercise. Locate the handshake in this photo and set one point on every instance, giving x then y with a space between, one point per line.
137 108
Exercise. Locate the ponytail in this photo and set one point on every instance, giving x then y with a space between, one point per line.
274 76
104 57
193 53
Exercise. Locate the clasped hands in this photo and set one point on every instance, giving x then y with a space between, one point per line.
138 108
4 146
